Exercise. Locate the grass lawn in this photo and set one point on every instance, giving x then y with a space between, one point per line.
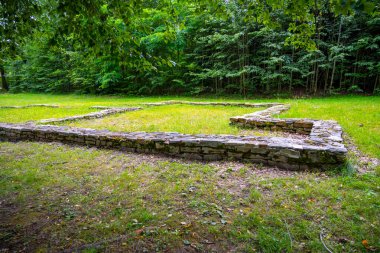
189 119
55 197
72 100
13 115
359 117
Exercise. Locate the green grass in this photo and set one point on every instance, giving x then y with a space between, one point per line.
38 113
358 115
70 100
189 119
55 197
90 100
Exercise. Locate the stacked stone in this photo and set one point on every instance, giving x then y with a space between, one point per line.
275 151
299 126
323 148
327 132
263 120
27 106
105 107
257 105
92 115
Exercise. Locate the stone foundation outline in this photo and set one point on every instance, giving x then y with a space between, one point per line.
323 149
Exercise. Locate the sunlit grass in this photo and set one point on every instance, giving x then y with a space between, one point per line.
56 197
189 119
359 115
38 113
73 100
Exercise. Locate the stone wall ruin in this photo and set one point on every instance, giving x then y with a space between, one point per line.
322 148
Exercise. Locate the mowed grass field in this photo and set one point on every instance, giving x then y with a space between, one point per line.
188 119
56 197
16 115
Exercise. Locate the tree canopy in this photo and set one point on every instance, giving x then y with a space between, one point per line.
241 47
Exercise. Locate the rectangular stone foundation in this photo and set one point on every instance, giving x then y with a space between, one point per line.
318 152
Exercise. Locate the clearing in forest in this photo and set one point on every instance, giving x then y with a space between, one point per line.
56 197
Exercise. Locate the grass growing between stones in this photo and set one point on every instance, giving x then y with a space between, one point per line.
359 117
55 197
18 115
189 119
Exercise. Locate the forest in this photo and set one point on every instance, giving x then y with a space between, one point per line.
222 47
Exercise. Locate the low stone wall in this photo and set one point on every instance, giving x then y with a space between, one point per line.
257 105
27 106
263 120
327 133
322 146
102 107
275 151
93 115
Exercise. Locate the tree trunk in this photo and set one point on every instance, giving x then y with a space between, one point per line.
291 73
317 43
216 85
333 70
4 83
326 81
316 80
355 68
246 52
341 76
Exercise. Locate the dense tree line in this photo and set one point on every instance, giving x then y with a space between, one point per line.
195 47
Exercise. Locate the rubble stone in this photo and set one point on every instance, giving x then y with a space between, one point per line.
92 115
322 148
